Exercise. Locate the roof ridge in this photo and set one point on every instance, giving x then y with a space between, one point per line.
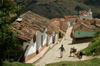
85 25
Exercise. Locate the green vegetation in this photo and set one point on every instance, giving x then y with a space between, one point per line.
9 44
78 8
60 8
92 62
93 2
60 35
6 63
94 48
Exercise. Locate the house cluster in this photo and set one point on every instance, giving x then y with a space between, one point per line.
36 32
83 31
84 25
72 19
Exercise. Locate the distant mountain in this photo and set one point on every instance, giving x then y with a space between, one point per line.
59 8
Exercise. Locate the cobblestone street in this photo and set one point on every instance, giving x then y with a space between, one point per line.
53 54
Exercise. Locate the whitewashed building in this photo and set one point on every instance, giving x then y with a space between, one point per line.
32 32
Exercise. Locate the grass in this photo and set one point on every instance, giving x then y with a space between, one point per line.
94 48
6 63
92 62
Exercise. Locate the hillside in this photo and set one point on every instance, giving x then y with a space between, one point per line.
94 47
59 8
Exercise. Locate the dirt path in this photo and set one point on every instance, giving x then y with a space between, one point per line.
53 54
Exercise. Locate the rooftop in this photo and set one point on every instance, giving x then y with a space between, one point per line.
27 28
72 16
84 25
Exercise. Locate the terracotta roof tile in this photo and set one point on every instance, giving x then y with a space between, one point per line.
83 26
62 31
82 12
97 21
62 23
23 30
86 21
33 18
70 20
31 22
72 16
53 26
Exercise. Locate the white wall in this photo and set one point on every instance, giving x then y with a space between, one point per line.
39 41
45 37
51 37
56 37
49 40
53 34
69 24
86 17
31 48
40 45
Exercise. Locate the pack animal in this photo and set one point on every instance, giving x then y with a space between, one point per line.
73 50
79 54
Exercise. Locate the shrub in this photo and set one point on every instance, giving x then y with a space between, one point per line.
60 35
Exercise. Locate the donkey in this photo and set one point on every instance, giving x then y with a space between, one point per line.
73 50
79 54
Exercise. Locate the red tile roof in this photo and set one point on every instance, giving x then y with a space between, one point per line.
70 20
23 30
84 26
62 24
82 12
97 21
62 31
85 21
72 16
35 19
53 26
31 22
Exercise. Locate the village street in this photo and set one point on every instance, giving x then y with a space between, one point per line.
53 54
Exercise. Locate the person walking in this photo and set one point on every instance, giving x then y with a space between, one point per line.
53 39
61 51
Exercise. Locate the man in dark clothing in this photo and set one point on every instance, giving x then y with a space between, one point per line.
61 50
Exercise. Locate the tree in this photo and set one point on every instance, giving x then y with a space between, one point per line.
8 42
8 7
78 8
